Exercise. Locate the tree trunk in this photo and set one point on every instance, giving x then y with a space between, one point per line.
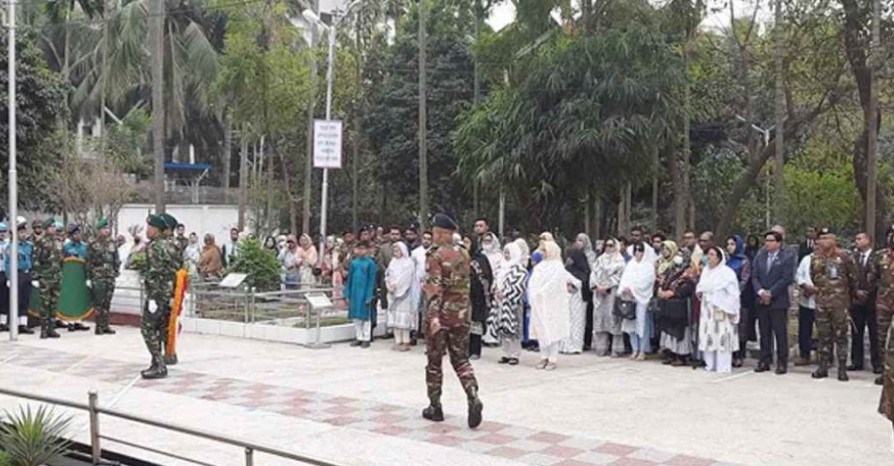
680 195
243 177
779 103
227 156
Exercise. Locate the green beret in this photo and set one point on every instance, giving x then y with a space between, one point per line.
48 222
169 220
102 223
156 221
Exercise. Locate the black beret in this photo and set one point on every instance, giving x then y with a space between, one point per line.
444 221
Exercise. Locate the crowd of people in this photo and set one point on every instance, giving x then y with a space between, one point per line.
642 296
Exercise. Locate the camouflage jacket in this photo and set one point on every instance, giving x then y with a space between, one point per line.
447 285
103 262
161 265
835 277
883 270
48 258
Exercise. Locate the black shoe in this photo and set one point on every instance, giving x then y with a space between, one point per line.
24 330
79 327
877 370
475 408
4 328
503 361
171 360
737 362
842 375
821 373
71 327
60 324
155 371
433 413
51 333
855 367
355 343
414 341
762 368
109 331
781 370
880 381
365 344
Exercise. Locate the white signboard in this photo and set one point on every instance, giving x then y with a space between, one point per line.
327 143
232 280
319 301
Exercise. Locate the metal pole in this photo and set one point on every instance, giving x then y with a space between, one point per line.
330 70
423 120
249 457
13 187
92 404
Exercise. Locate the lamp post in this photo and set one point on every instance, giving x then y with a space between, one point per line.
13 187
314 19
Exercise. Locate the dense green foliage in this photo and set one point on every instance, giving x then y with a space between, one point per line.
33 438
259 263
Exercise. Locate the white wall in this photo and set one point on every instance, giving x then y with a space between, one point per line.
214 219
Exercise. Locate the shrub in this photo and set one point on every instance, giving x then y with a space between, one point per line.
261 265
33 438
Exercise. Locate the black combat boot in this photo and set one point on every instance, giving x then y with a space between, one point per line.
842 372
821 372
880 380
171 359
433 412
24 330
156 371
475 407
43 331
108 331
50 330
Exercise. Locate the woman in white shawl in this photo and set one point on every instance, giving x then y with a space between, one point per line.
604 280
638 284
399 280
718 327
549 293
490 247
308 260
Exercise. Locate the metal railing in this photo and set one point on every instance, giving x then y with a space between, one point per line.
94 410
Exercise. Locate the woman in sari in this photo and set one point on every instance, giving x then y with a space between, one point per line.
308 260
638 285
506 322
399 278
481 284
578 265
674 288
604 280
718 331
549 293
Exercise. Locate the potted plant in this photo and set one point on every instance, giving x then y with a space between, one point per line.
33 438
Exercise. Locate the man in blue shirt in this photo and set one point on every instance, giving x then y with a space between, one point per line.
24 264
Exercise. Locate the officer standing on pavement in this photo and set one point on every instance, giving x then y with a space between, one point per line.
447 320
173 266
103 264
834 276
159 286
25 265
48 275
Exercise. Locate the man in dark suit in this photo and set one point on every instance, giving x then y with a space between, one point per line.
806 247
863 308
771 275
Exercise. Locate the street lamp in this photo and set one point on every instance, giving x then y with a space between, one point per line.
13 319
315 20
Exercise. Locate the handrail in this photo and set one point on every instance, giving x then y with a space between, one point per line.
95 410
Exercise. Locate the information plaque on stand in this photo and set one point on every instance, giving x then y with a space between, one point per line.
319 303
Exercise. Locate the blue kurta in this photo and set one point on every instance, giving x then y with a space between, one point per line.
360 287
72 249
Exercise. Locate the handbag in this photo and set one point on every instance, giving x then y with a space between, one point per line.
624 309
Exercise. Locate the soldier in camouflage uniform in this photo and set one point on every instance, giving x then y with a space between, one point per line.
48 275
447 320
883 270
178 253
103 265
834 276
159 285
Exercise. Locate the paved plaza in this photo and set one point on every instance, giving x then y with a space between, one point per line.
361 407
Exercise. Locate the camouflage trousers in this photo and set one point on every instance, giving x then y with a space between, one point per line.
49 301
884 323
455 342
832 328
154 328
886 405
102 301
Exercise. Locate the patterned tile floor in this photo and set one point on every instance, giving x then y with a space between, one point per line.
518 443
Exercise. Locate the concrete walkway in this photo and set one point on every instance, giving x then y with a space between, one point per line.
361 407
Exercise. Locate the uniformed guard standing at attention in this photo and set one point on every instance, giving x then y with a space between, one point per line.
173 266
834 276
48 275
883 271
159 285
448 319
103 265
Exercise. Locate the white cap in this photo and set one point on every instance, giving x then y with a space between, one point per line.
21 221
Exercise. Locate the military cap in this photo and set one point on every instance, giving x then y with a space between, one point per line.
825 231
170 221
156 221
48 222
444 221
102 223
73 228
21 222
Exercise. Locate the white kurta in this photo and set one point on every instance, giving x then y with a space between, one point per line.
606 274
639 277
574 344
550 302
